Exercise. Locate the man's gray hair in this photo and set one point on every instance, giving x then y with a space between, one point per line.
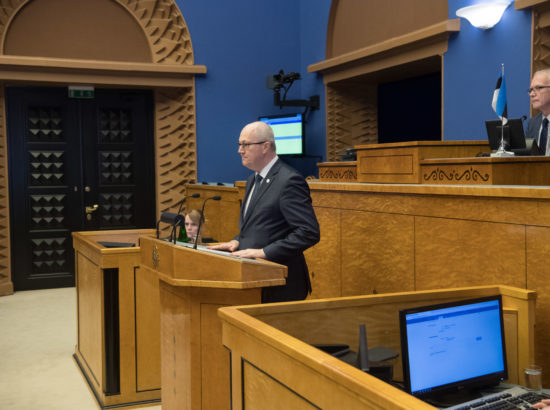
545 71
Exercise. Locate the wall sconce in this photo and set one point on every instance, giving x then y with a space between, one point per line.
484 15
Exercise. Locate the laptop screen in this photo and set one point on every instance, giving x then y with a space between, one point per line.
453 346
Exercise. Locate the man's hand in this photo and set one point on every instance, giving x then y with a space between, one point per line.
250 253
542 404
230 246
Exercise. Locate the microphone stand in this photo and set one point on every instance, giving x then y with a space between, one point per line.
215 198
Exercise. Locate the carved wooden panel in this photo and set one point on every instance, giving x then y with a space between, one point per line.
541 37
338 171
352 117
165 28
176 160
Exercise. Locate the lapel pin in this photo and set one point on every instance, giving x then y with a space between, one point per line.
267 181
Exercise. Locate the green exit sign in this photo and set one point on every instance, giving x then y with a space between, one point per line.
81 91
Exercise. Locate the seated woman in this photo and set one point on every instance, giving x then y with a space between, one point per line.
193 219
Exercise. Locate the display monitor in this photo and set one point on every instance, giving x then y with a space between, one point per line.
453 347
289 132
514 136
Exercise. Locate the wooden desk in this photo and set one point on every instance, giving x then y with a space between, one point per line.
531 170
274 366
118 332
400 162
193 285
381 238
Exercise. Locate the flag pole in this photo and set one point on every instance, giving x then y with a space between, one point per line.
501 152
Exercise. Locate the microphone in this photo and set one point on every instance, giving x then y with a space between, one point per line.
215 198
173 219
195 195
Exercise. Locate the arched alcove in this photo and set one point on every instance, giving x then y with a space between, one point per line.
372 43
81 29
104 43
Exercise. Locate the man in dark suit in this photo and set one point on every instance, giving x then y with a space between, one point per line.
277 220
539 94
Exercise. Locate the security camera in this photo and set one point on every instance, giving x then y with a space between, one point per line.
278 81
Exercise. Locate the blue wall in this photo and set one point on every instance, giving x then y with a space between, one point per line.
241 42
472 65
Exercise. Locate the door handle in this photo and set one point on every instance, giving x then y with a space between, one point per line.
90 210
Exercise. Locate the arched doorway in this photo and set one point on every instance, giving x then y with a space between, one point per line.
111 45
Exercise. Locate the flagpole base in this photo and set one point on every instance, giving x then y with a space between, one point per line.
502 153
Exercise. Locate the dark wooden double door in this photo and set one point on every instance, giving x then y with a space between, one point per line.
74 165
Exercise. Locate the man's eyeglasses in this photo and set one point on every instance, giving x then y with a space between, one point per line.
245 145
537 88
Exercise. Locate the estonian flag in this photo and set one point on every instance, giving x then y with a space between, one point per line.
499 100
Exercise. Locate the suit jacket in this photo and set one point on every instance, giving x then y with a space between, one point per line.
280 220
533 129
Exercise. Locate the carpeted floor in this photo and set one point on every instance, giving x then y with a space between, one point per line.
37 341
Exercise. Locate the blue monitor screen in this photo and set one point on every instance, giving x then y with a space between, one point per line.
453 346
289 133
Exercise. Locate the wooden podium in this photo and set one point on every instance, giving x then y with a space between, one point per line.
275 366
118 332
194 283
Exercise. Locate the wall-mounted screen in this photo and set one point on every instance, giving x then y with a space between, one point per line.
289 132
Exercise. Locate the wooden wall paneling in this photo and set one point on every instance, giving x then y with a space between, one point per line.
186 351
452 253
147 321
323 259
175 146
127 325
352 116
90 330
461 236
377 253
493 205
510 318
215 359
176 351
538 274
259 389
6 284
541 37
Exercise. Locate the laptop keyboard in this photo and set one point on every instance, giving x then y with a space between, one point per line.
513 398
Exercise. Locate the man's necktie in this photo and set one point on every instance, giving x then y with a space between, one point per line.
543 136
257 183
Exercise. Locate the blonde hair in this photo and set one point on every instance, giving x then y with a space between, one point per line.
196 216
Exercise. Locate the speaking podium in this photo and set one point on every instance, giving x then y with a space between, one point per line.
118 336
193 284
